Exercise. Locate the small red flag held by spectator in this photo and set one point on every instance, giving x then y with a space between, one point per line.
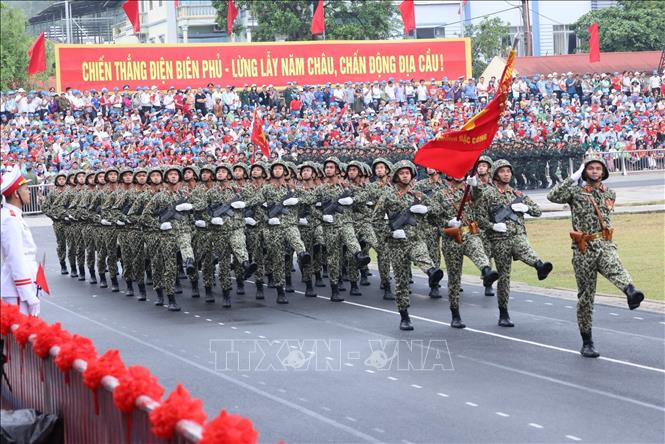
258 136
131 8
594 43
318 21
408 11
40 280
37 55
231 14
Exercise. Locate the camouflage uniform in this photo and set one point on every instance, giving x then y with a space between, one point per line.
255 226
309 220
59 227
124 198
202 237
381 229
109 234
431 232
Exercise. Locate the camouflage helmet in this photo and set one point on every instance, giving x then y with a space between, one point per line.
500 164
319 170
170 168
357 164
293 168
310 165
139 170
110 170
124 171
243 166
154 169
487 160
335 161
90 173
400 166
99 173
228 168
208 167
386 162
60 174
262 166
283 164
595 157
195 170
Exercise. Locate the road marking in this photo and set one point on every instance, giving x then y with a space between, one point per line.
209 320
443 395
262 337
548 303
638 318
325 408
614 314
329 358
568 306
350 418
281 390
662 322
302 399
220 323
234 328
197 316
248 332
348 364
246 386
573 437
503 415
378 430
535 426
392 378
472 404
416 386
406 442
186 312
369 371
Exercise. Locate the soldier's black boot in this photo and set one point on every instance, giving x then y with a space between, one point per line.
102 281
325 271
181 271
543 269
435 275
489 277
361 259
355 291
73 274
178 286
173 305
81 273
240 287
405 322
93 278
249 268
489 291
363 278
318 282
130 288
190 266
634 296
588 351
226 298
148 273
340 284
160 297
289 287
271 281
334 293
309 289
195 289
387 292
259 290
456 321
504 318
115 288
63 268
210 299
281 296
142 295
434 292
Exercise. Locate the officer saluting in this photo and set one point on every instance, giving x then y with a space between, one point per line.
19 266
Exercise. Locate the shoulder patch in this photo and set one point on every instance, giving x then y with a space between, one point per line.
11 213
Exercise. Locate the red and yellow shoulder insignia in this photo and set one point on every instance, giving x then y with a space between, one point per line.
11 213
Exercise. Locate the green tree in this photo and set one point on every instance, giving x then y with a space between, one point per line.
291 19
487 41
636 25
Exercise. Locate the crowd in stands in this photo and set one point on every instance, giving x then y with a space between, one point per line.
48 131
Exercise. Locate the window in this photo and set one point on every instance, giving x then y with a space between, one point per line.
508 41
431 33
565 40
150 4
160 3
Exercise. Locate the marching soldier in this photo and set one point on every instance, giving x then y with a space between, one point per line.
255 224
483 169
381 169
88 226
309 219
109 234
201 238
59 227
95 211
136 200
594 251
124 197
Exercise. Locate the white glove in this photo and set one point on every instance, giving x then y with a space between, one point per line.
472 181
318 204
273 221
500 227
291 201
399 234
71 217
419 209
119 223
217 221
520 207
454 222
200 223
184 207
328 218
166 226
66 219
265 204
370 203
303 221
105 222
250 221
577 174
33 309
385 216
346 201
238 205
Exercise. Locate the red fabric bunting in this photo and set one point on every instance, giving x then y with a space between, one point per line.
229 429
179 405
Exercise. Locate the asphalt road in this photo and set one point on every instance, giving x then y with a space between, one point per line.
314 371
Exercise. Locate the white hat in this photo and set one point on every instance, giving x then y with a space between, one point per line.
11 181
20 90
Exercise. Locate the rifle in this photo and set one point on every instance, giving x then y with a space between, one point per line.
398 220
126 207
169 214
224 208
277 209
506 212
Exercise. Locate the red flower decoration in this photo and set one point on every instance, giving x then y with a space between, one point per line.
47 336
29 326
229 429
77 347
9 315
109 364
136 382
179 405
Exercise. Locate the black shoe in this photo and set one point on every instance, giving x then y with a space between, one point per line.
63 268
456 322
81 274
387 293
240 287
288 287
130 288
318 282
543 269
210 298
173 305
259 290
340 285
504 318
115 288
226 298
489 291
334 293
102 281
73 274
309 289
190 266
361 259
489 277
142 295
382 286
93 278
435 275
195 289
178 287
363 278
588 351
434 293
354 289
304 259
160 297
271 282
281 296
634 296
249 268
405 322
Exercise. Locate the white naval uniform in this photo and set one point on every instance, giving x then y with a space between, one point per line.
19 263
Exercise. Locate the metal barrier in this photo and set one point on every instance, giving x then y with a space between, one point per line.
639 160
37 383
37 195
